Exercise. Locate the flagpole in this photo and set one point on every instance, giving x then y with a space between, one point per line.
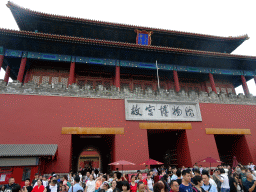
157 76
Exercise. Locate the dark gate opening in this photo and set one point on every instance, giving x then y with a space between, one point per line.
169 147
233 145
103 144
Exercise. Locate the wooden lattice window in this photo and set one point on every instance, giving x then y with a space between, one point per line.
98 82
107 84
90 82
148 85
163 85
64 81
190 88
218 89
223 90
36 79
81 83
230 90
45 79
55 80
137 85
197 89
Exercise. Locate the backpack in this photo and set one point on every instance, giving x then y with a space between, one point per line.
209 188
195 189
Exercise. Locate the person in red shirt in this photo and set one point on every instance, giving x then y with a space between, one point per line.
140 179
133 184
156 178
39 187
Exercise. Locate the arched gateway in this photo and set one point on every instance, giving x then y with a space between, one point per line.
89 158
93 151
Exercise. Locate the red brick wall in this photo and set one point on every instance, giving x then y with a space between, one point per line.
39 120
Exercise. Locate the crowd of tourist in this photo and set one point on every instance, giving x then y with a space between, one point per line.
196 179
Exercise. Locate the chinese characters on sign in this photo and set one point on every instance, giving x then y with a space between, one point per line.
150 110
162 111
135 110
143 39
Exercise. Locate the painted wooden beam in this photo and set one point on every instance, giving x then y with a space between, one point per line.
92 130
224 131
165 126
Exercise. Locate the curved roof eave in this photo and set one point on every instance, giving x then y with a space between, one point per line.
120 44
12 5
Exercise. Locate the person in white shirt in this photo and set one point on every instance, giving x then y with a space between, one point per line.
53 186
174 171
254 173
224 181
212 182
90 185
226 171
45 182
252 166
150 182
201 169
70 176
80 176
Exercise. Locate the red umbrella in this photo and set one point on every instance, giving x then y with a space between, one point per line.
151 162
235 162
210 160
121 162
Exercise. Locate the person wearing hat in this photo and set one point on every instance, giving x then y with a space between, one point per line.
105 186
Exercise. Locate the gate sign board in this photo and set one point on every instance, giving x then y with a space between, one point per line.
154 110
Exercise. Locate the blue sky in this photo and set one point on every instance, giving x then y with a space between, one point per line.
221 18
